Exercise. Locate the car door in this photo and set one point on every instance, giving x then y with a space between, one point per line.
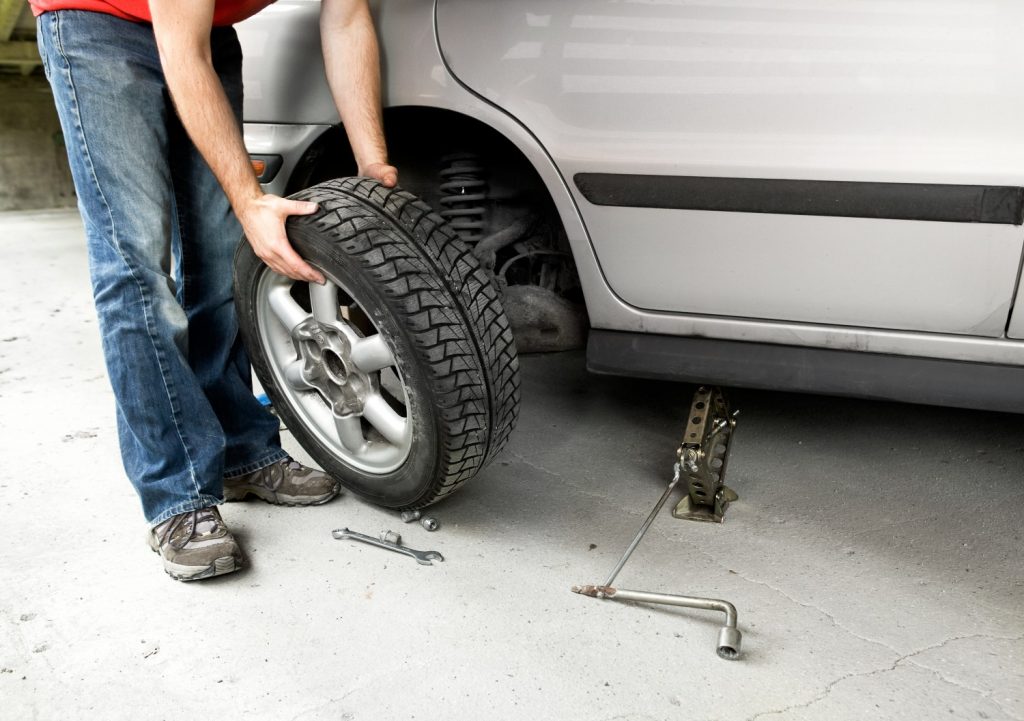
843 162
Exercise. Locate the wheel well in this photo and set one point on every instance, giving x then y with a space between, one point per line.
418 140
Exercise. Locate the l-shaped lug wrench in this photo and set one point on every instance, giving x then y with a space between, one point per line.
729 638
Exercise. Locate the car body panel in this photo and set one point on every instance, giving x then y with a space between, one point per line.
288 141
415 74
283 71
1015 329
839 90
845 271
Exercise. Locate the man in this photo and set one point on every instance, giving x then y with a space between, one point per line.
149 96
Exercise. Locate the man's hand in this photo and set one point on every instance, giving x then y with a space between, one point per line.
263 221
386 174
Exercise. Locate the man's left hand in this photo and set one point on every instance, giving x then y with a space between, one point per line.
386 174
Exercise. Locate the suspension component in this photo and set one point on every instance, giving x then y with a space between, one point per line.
463 195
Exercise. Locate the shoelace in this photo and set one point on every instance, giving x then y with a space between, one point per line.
202 521
291 465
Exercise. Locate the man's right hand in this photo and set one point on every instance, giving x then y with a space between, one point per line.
263 219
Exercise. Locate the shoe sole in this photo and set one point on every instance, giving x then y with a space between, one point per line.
221 566
240 493
181 572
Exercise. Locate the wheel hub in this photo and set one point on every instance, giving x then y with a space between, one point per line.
327 367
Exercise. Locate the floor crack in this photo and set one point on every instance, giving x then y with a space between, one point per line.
826 691
809 606
942 677
906 658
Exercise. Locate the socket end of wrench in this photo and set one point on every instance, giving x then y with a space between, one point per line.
729 640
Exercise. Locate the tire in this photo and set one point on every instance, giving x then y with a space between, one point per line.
400 375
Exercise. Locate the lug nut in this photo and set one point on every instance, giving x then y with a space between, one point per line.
410 516
430 523
390 537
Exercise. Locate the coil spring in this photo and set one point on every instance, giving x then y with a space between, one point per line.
463 192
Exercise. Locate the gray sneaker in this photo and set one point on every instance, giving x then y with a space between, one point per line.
287 483
195 545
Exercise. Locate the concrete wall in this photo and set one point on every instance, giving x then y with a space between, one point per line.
33 163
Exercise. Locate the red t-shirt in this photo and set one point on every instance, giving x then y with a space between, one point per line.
226 12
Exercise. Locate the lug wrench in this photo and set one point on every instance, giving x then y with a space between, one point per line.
729 637
423 557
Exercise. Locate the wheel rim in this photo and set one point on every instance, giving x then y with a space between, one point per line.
336 371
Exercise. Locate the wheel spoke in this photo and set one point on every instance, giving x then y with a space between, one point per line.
371 354
350 433
324 299
285 308
383 417
293 375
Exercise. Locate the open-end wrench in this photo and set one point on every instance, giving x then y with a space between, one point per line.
424 557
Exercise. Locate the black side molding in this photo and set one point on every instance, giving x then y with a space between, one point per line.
897 201
932 381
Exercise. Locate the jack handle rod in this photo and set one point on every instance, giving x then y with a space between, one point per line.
647 524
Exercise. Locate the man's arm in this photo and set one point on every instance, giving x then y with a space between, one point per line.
352 61
182 31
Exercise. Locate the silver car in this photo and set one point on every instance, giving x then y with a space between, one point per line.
820 196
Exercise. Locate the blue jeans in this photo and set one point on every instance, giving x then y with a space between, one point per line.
161 239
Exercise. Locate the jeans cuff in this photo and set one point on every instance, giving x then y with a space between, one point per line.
270 459
193 505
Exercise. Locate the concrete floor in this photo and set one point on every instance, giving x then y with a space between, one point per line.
874 556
